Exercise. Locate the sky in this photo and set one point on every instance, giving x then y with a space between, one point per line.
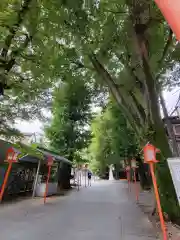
171 99
37 127
30 127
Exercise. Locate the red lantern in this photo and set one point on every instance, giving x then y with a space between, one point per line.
50 161
171 11
150 153
150 158
12 155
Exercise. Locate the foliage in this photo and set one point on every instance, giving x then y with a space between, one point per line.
128 47
172 77
21 148
87 38
67 131
27 62
112 140
81 156
123 46
31 150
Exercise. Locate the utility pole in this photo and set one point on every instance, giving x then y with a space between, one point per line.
169 125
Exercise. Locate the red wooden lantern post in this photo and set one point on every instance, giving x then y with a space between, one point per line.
150 158
49 163
11 157
171 11
134 166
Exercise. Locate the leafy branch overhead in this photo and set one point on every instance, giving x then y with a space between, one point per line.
67 130
112 140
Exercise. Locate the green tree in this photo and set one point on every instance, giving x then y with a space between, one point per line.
28 62
124 45
112 139
127 46
71 112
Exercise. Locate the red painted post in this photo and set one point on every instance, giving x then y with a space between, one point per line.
136 185
49 163
134 166
171 11
5 181
163 227
150 158
11 157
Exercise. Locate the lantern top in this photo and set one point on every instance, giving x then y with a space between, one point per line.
12 155
150 153
50 160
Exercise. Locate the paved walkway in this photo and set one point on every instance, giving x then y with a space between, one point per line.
102 212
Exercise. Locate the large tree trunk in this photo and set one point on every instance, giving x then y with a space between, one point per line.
159 138
115 91
167 192
65 172
143 171
64 176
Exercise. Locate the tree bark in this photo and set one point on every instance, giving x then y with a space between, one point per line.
64 175
167 192
114 90
14 28
143 171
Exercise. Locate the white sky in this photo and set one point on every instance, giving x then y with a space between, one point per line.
171 98
37 126
30 127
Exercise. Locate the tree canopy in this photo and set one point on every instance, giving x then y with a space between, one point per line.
112 139
68 131
100 40
122 47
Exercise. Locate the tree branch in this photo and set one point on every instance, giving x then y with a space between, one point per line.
29 57
21 77
166 47
80 65
114 89
114 12
131 71
140 109
14 28
165 51
16 53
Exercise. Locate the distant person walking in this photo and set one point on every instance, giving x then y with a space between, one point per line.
89 174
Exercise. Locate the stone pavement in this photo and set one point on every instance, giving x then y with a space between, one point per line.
103 212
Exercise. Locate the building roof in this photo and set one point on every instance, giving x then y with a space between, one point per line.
4 146
48 152
173 119
30 157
